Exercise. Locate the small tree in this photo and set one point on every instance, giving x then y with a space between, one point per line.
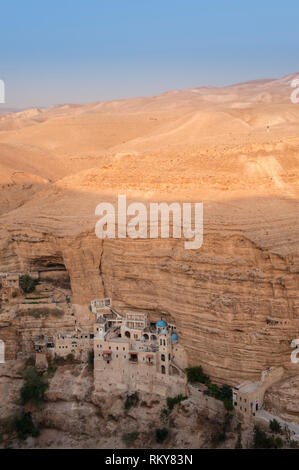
131 400
34 387
161 435
275 426
28 284
262 441
25 427
196 374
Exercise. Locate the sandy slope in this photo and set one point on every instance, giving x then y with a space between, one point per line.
215 144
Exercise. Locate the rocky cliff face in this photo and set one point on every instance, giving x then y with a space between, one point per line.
282 399
73 416
235 304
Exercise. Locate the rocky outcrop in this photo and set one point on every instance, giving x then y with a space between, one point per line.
73 416
282 399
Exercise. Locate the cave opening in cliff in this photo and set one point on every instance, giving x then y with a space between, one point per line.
52 270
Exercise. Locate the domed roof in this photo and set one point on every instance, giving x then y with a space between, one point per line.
174 337
164 331
161 323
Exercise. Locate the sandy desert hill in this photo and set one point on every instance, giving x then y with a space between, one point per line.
234 148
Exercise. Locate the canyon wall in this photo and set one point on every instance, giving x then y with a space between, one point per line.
236 305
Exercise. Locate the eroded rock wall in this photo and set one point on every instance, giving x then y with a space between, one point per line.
221 297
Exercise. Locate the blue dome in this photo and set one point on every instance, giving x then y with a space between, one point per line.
174 337
161 323
164 331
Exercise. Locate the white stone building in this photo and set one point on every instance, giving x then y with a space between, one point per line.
131 355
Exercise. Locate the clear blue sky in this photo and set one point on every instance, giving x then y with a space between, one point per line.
58 51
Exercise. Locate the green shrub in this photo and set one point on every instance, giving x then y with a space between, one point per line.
28 284
25 427
275 426
278 443
218 437
34 387
131 400
228 404
224 393
196 374
164 412
161 435
262 441
130 437
173 401
293 444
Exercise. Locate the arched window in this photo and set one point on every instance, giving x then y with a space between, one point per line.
162 357
146 337
128 334
154 338
163 369
2 352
